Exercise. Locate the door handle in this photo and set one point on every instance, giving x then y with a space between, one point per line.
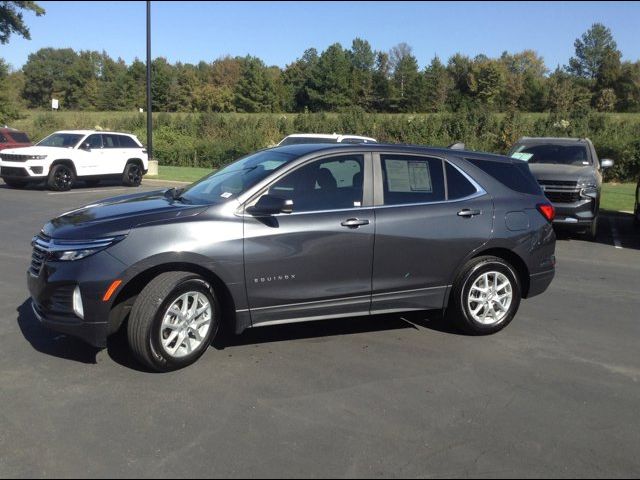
354 223
467 212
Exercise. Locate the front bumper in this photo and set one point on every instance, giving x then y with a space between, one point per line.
29 170
578 214
52 288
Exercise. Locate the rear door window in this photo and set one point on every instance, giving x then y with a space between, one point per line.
111 141
409 179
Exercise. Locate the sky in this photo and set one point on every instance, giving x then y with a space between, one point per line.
279 32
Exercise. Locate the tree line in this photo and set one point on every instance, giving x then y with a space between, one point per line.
337 79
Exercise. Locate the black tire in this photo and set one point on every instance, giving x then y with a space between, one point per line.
592 232
94 182
13 183
145 321
61 178
132 175
459 311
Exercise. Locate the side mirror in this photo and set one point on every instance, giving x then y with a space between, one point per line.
606 163
270 205
86 146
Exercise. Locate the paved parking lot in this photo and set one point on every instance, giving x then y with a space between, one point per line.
555 394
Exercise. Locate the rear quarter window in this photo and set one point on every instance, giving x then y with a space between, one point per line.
127 142
515 175
20 137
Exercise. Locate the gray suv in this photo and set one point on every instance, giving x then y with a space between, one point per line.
298 233
569 172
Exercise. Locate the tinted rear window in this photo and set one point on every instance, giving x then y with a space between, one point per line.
127 142
20 137
515 176
3 139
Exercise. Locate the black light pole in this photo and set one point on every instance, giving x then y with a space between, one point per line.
149 117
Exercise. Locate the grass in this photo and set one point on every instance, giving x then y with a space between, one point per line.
616 197
181 174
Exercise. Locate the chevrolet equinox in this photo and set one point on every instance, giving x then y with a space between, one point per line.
298 233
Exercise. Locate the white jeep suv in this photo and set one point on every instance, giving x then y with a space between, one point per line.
66 156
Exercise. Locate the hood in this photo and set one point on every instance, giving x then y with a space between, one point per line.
118 215
550 171
34 150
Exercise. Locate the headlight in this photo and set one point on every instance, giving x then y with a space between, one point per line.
68 250
589 190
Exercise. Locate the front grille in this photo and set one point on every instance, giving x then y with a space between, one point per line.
563 197
39 254
13 172
558 183
13 157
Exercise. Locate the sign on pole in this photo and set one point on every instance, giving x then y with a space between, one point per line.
55 104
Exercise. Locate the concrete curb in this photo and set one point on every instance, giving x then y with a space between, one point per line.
165 182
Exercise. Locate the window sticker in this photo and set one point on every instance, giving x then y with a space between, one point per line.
522 156
403 176
226 195
420 177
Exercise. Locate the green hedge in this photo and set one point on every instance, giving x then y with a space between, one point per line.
212 139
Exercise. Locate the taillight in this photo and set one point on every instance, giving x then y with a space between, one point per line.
547 211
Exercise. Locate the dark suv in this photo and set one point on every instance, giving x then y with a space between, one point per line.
12 138
570 173
298 233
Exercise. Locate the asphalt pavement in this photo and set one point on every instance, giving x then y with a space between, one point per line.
556 394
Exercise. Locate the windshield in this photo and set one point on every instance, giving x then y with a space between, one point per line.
61 140
555 154
236 178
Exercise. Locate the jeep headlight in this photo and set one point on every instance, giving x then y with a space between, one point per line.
70 250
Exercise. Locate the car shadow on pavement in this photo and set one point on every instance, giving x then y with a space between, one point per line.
614 229
69 348
52 343
432 320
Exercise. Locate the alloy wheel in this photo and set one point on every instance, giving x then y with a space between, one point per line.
186 324
489 298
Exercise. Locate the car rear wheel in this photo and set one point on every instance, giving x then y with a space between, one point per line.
173 321
61 178
132 176
13 183
486 296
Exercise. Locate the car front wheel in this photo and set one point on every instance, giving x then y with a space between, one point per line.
486 296
173 321
61 178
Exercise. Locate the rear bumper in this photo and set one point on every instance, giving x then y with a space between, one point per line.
539 282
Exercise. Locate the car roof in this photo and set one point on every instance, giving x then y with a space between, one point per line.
553 140
309 148
88 132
